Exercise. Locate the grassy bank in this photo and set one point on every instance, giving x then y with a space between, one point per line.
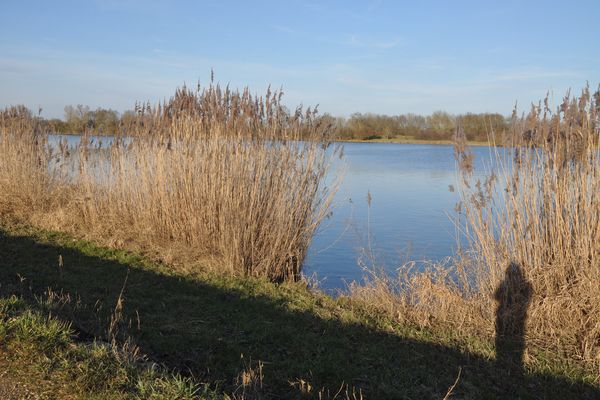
228 212
230 336
42 358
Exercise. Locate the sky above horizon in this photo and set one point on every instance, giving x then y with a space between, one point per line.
388 57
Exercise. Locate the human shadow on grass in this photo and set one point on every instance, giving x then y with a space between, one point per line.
212 332
513 296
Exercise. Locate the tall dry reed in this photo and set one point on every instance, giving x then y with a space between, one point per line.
25 184
214 175
537 212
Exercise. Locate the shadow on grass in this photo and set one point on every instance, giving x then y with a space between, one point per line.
513 296
202 329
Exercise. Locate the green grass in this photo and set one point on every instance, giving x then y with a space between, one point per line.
208 329
40 351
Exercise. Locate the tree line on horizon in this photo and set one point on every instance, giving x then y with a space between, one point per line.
439 125
81 118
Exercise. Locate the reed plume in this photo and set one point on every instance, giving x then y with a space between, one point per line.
213 176
537 210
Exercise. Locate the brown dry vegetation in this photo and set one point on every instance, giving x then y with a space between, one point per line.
213 176
221 177
539 215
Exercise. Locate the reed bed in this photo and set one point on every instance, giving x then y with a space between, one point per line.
533 226
214 176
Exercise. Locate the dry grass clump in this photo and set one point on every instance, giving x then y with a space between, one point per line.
24 181
534 229
217 176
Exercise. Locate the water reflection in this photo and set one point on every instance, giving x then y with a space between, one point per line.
410 212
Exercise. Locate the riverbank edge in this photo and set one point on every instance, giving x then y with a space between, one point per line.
408 140
26 353
394 140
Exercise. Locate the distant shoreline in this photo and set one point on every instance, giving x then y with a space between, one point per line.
395 140
405 140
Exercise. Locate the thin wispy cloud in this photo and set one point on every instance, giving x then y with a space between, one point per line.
491 79
349 40
362 42
13 66
347 56
532 73
284 29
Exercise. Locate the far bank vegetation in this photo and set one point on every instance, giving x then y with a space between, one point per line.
438 126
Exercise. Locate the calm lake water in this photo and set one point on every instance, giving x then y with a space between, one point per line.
410 212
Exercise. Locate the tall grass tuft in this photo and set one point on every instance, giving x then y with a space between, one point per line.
24 180
538 213
215 176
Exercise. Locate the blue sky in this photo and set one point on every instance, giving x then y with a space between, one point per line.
347 56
